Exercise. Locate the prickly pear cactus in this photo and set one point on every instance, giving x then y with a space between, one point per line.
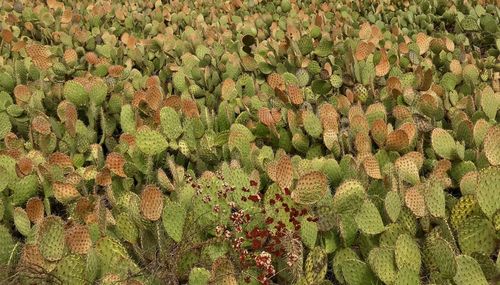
249 142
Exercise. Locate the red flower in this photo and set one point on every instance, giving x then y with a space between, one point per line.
256 244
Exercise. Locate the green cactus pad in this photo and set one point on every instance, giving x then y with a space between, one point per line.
463 209
443 143
368 219
173 218
75 93
349 196
476 234
308 233
170 123
488 190
392 205
468 272
312 125
305 45
316 265
340 257
127 119
357 272
51 238
71 270
98 92
199 276
310 188
407 253
407 276
21 221
439 258
7 244
435 199
113 257
381 261
150 142
126 228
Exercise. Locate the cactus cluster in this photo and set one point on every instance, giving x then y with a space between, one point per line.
252 142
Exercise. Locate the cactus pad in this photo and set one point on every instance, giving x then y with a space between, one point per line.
51 238
310 188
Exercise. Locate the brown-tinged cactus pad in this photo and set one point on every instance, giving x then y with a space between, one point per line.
65 192
151 202
115 163
491 145
78 239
